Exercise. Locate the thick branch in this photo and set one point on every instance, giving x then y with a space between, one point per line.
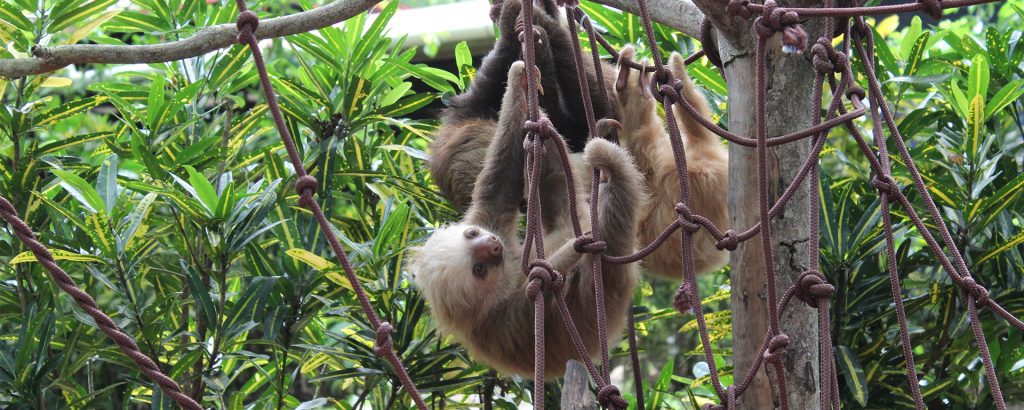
681 15
48 59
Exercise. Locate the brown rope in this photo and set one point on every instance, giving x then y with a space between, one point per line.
123 341
306 186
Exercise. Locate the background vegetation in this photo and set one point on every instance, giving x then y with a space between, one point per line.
163 190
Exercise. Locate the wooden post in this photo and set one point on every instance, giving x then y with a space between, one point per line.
576 394
789 78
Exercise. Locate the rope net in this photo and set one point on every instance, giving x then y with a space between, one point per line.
831 66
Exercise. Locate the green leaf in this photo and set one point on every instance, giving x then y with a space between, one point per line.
226 201
1011 243
135 220
58 255
975 127
106 182
70 109
329 269
57 145
230 66
916 54
155 103
140 150
397 92
205 192
201 294
849 365
909 39
79 14
959 100
1004 97
246 306
12 15
977 77
408 105
86 28
80 190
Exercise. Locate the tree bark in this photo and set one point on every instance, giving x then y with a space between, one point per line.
576 394
790 78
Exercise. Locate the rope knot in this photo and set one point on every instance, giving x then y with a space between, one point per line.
824 56
609 396
978 292
586 243
729 241
306 187
776 348
542 277
776 19
933 7
855 90
739 8
686 218
246 24
542 127
812 287
883 183
681 300
383 343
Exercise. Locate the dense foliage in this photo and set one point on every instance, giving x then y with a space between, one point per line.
164 191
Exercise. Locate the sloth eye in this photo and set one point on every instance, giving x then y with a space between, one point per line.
479 270
471 233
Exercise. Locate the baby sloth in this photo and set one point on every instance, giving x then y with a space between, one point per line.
470 272
707 161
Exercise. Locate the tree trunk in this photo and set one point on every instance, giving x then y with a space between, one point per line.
576 394
789 77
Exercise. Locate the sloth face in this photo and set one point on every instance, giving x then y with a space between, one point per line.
458 269
485 250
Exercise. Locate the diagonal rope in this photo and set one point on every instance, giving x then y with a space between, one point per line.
306 186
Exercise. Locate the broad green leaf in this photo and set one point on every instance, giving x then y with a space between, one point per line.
229 66
140 150
226 202
58 255
67 214
80 190
977 77
86 28
54 146
205 192
106 182
849 365
133 21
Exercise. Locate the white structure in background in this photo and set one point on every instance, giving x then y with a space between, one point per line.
447 24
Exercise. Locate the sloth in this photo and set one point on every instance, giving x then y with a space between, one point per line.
643 134
470 272
458 147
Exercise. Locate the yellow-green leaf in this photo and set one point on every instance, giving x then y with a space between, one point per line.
70 109
58 255
83 31
975 126
310 259
55 82
1010 244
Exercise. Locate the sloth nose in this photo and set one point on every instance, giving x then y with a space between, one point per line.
486 249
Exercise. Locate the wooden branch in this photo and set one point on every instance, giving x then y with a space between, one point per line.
576 394
682 15
48 59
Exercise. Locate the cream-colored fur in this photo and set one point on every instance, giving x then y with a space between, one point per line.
707 162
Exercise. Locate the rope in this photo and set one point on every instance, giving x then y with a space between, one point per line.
123 341
306 186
